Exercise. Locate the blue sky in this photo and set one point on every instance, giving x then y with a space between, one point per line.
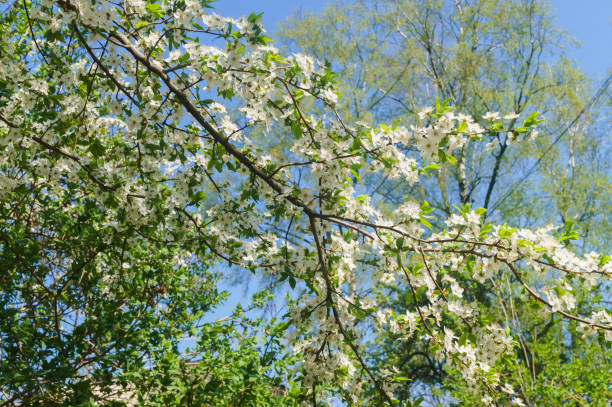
588 21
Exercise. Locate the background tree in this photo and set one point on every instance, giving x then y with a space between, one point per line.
397 56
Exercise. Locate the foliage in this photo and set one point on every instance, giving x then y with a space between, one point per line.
128 188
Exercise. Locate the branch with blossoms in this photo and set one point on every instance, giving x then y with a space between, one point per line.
148 139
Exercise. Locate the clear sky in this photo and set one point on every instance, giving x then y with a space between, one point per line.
588 21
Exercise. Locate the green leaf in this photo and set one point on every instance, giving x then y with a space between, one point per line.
292 282
480 211
496 126
425 222
155 9
399 243
254 17
532 120
462 127
432 167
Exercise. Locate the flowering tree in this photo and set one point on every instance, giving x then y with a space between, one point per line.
139 160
